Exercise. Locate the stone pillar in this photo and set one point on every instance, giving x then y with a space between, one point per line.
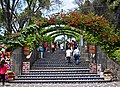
16 61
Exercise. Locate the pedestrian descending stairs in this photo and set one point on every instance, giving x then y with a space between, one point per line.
53 69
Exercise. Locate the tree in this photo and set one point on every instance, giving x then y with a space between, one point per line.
32 12
114 5
8 12
96 7
15 17
102 9
84 6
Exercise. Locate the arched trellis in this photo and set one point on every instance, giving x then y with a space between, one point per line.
60 28
99 27
92 24
65 33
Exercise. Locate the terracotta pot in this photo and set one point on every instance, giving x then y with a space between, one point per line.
26 50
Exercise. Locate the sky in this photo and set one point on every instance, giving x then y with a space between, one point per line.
67 5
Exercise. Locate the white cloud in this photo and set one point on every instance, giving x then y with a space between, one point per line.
68 4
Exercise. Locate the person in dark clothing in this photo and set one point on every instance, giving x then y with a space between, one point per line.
58 44
67 45
75 45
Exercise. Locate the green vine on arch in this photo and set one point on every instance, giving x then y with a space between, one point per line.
95 26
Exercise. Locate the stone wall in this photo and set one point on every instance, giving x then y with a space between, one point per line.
108 64
16 60
101 58
115 69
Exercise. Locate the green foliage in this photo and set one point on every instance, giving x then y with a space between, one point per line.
1 18
48 39
87 3
115 56
97 30
114 5
103 1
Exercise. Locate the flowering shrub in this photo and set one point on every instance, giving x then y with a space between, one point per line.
93 25
98 26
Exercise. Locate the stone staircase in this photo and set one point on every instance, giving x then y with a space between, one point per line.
53 69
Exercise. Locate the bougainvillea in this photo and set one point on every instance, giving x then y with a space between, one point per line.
98 26
92 24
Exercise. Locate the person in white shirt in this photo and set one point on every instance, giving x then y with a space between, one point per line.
62 46
76 54
68 55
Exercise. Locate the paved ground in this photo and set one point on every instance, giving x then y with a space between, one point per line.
110 84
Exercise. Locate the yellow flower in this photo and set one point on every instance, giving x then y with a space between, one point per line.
0 52
5 47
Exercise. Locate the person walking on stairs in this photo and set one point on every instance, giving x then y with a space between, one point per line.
68 55
76 54
62 46
44 46
53 47
41 49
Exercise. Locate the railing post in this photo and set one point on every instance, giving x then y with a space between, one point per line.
96 57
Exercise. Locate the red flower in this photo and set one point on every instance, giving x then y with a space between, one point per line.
105 35
52 19
76 19
88 21
75 23
115 39
63 16
68 22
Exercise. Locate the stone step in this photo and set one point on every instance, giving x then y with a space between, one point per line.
58 81
67 67
59 69
60 78
72 64
58 62
51 59
60 75
55 73
38 67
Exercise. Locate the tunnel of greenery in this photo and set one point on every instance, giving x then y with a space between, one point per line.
95 29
